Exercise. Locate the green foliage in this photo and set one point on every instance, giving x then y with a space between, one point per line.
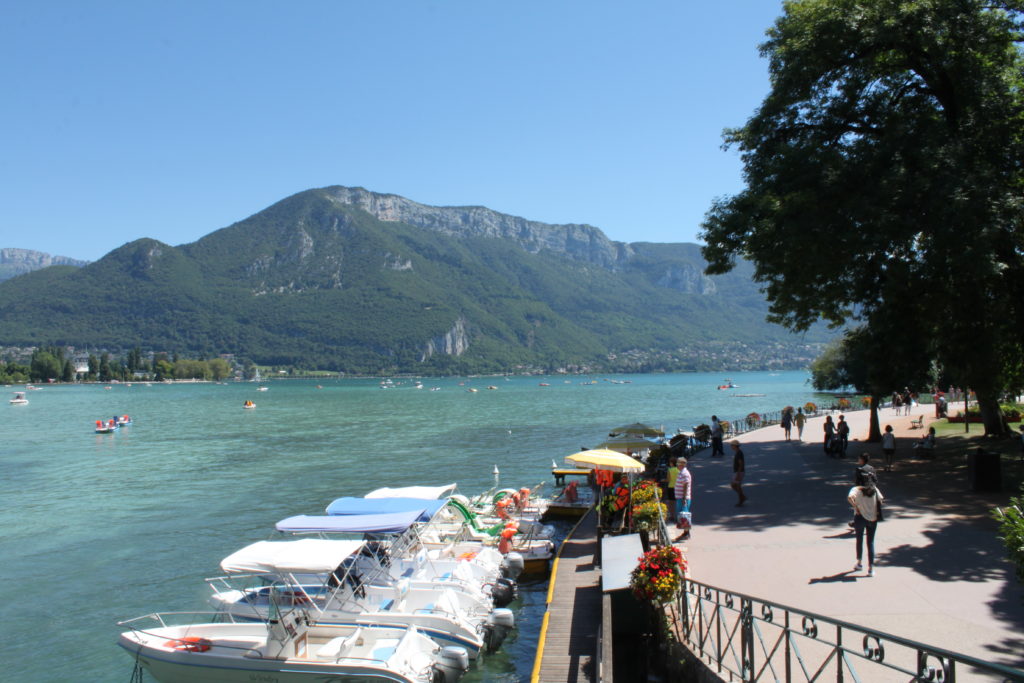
883 181
1011 531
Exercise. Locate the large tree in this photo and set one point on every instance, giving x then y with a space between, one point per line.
882 170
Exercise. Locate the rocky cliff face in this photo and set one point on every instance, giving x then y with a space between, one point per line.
580 242
454 342
17 261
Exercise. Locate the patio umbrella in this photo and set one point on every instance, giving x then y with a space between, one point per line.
625 442
637 429
604 459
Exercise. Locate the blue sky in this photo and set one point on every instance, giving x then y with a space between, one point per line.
143 118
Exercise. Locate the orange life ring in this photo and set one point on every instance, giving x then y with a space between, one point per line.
189 644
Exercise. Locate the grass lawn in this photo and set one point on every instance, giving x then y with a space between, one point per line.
952 445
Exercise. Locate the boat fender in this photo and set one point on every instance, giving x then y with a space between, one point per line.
189 644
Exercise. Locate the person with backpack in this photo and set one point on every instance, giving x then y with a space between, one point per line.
867 508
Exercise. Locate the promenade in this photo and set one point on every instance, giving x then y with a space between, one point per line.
941 575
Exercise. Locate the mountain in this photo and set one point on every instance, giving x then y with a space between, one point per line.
346 279
18 261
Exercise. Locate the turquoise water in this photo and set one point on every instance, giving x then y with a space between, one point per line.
99 528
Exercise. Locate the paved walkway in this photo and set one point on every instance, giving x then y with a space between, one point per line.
940 577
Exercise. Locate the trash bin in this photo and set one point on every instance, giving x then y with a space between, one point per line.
984 471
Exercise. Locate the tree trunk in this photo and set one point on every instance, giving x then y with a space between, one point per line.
991 415
874 432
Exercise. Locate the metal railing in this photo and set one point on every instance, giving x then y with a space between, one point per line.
744 638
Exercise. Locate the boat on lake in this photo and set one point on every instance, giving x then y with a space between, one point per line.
19 399
288 648
106 426
353 592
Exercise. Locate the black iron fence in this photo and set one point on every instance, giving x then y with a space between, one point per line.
744 638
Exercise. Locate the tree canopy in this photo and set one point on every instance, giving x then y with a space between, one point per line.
883 179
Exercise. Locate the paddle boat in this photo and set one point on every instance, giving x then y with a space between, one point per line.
262 388
575 496
248 405
294 571
19 399
728 385
106 427
288 648
124 421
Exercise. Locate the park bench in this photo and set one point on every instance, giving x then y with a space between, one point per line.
917 423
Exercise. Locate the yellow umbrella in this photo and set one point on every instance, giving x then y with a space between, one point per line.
604 459
637 429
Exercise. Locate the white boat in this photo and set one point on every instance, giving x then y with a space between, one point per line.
262 388
288 648
324 577
19 399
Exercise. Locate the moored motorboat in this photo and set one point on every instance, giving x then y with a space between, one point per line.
325 577
288 648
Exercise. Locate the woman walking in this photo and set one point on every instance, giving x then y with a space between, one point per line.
800 419
889 447
830 431
867 505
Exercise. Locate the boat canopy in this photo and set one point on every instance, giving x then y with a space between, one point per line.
427 492
304 556
385 523
381 506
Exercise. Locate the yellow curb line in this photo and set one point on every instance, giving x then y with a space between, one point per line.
535 674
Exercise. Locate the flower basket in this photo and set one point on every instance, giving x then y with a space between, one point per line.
645 492
658 576
648 515
810 407
844 403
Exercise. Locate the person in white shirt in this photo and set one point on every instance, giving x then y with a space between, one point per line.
867 504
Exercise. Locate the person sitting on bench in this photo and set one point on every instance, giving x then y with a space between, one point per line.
927 444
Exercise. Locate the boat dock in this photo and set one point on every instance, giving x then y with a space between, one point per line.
567 650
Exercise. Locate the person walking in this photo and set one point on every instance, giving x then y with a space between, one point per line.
800 420
716 437
787 423
867 504
739 470
671 476
843 432
683 492
863 475
830 431
888 447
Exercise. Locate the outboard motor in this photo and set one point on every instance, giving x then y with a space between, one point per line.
499 623
503 591
512 565
449 665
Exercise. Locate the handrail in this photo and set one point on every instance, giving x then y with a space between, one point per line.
753 639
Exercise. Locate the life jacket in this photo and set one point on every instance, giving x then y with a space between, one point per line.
622 499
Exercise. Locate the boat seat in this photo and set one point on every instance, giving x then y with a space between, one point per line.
335 648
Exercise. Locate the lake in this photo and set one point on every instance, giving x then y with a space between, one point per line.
100 528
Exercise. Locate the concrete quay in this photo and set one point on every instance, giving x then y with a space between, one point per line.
941 573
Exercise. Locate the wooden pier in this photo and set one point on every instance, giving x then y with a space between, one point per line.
568 646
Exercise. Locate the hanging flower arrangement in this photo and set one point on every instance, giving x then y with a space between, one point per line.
810 407
658 577
754 420
648 515
646 491
865 401
844 403
725 426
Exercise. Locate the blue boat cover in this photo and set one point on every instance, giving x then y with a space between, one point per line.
386 523
383 506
